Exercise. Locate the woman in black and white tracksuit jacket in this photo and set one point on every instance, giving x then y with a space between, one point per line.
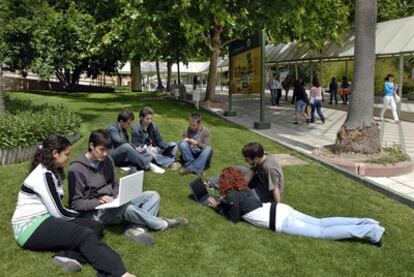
240 203
41 223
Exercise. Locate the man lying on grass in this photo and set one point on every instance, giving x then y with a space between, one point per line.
240 203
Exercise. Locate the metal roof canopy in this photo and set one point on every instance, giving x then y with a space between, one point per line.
393 38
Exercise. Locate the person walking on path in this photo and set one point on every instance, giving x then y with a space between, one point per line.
285 85
278 90
345 90
390 90
41 222
300 99
273 89
333 88
316 94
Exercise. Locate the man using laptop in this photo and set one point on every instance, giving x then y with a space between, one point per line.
146 134
92 181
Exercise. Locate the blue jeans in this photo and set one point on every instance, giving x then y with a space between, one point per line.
140 212
161 160
331 228
317 105
126 154
273 95
195 158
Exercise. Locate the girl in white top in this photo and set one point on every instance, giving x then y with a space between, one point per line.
316 96
41 223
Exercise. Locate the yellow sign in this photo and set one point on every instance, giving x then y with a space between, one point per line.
246 71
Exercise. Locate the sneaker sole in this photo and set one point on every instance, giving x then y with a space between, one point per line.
67 265
142 239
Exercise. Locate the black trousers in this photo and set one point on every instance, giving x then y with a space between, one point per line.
77 239
279 94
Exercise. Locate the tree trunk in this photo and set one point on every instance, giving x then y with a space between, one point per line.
215 38
360 133
62 77
136 75
169 65
2 106
159 81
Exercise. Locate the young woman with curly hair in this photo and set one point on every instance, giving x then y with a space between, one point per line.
240 203
41 222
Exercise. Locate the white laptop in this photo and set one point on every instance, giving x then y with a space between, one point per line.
130 187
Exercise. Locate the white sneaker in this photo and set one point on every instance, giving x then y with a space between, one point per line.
127 169
156 169
175 166
67 264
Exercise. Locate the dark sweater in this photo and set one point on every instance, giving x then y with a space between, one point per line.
238 203
299 93
87 183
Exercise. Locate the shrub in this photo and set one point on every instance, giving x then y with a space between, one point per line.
37 122
391 155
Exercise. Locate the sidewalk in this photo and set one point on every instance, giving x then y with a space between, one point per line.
304 138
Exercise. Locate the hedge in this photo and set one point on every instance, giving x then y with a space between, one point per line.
37 122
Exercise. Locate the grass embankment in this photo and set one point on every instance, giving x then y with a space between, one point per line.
209 245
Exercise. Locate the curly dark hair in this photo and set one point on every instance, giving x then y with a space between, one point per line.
231 178
44 154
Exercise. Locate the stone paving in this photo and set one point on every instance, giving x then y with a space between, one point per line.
305 138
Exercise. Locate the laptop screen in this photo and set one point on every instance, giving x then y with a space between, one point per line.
198 188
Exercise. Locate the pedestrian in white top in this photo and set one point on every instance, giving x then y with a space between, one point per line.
273 89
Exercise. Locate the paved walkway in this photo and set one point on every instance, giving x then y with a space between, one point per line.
305 138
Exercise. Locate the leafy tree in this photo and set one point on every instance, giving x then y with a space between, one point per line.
60 37
360 133
218 22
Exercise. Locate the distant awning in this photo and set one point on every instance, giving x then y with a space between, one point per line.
394 37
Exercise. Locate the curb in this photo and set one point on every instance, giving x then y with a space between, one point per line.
369 169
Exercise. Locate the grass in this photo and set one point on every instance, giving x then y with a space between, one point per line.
210 245
390 155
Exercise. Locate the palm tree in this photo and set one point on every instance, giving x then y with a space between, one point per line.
360 133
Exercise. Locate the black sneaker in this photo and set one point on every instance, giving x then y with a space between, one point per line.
295 122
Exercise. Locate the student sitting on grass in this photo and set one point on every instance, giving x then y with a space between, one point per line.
41 223
92 181
146 135
124 153
195 146
240 203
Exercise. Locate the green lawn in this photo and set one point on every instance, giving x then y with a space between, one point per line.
210 245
